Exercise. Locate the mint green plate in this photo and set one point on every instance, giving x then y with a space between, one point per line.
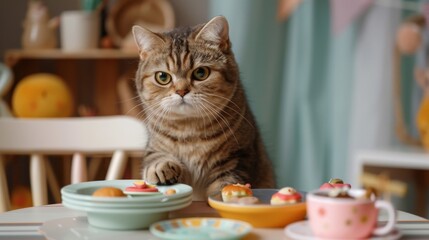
83 191
124 213
200 228
128 206
125 219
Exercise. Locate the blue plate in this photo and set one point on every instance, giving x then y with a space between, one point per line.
200 228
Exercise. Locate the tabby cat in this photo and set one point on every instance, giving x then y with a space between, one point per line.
202 131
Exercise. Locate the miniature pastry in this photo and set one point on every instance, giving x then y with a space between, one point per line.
142 186
339 193
232 192
170 191
335 183
108 192
286 195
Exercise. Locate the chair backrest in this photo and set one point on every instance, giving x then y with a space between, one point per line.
6 79
116 136
70 135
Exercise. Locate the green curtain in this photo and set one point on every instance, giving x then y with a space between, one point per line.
298 78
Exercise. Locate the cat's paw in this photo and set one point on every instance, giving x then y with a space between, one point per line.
163 173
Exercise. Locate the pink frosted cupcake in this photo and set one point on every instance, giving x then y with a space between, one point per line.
335 183
286 195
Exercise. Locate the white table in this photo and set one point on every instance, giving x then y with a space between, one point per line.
24 223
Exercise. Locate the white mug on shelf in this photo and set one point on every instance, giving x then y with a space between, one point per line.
80 30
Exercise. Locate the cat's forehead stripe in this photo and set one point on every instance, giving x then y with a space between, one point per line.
179 54
169 65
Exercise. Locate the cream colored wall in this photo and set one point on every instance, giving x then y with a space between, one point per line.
12 12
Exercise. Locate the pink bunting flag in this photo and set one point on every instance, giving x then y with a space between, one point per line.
344 12
286 8
426 13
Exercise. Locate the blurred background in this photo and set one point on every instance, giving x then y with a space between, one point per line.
337 86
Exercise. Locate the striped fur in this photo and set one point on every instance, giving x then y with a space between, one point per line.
208 138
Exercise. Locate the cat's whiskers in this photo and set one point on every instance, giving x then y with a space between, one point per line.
207 110
159 116
148 108
195 103
152 111
141 113
220 109
219 96
164 112
212 107
129 99
155 117
223 118
136 106
214 95
209 115
147 116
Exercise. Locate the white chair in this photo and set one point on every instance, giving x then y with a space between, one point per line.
6 80
116 136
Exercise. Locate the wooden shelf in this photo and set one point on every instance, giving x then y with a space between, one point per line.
14 55
93 76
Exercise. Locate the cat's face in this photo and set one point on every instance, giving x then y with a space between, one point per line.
188 72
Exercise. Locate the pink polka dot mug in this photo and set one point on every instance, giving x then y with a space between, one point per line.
347 218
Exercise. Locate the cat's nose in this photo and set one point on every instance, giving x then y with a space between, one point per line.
182 92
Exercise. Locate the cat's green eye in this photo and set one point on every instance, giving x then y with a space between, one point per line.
201 73
162 78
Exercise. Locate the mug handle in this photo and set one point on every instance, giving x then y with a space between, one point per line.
380 204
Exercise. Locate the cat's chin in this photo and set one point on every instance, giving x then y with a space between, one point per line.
184 110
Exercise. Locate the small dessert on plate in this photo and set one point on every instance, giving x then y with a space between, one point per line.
108 192
248 200
141 188
233 192
286 195
339 193
170 191
335 183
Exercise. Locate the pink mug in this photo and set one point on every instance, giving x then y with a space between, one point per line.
347 218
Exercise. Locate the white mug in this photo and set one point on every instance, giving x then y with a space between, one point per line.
80 30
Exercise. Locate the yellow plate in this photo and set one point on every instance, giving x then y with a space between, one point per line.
262 214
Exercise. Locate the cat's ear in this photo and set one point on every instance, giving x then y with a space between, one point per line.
216 31
146 40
